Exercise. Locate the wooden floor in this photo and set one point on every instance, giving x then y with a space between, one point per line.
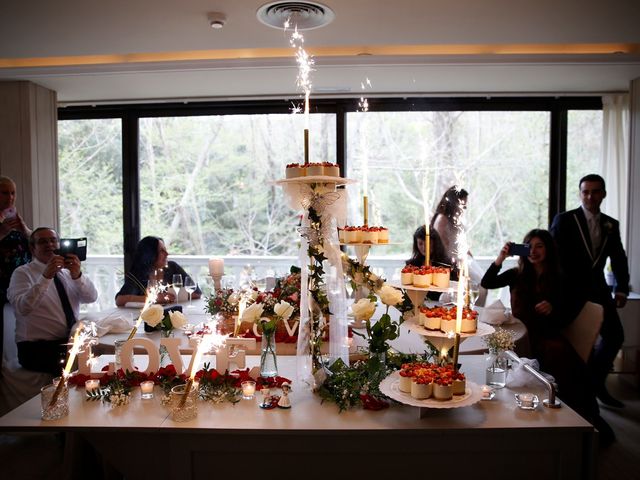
39 456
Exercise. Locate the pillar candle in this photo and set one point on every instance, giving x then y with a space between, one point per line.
216 267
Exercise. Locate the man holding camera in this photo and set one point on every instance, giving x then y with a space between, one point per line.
586 237
46 295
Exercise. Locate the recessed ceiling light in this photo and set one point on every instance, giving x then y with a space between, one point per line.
304 15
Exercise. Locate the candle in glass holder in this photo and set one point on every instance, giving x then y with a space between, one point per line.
248 389
146 389
91 385
487 392
526 400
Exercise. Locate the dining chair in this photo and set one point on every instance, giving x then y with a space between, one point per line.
583 332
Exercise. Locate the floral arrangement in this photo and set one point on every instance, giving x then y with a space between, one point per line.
385 329
224 301
359 383
360 275
156 317
215 387
500 340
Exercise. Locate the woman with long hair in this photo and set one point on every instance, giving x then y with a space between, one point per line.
540 299
150 264
447 222
418 249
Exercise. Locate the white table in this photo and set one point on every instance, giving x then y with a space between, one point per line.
312 437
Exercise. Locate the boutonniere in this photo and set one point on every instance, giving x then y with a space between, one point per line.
608 226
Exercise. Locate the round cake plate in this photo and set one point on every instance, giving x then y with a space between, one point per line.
390 387
316 179
417 294
482 330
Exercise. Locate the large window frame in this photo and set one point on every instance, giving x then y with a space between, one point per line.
557 107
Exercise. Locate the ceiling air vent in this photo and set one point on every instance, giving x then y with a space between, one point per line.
306 15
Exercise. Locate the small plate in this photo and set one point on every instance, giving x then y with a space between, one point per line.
527 405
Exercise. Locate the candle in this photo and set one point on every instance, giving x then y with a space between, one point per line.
487 392
216 267
526 400
248 389
146 389
91 385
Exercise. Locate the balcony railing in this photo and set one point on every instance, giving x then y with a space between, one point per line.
107 271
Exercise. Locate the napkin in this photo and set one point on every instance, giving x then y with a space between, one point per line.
116 322
495 314
518 377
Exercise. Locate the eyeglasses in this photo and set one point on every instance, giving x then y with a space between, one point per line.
46 240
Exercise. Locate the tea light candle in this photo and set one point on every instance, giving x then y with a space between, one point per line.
91 385
526 400
146 389
486 391
248 389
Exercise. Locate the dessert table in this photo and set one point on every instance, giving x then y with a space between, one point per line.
316 441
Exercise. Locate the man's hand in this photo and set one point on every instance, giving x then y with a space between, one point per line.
54 266
72 263
620 299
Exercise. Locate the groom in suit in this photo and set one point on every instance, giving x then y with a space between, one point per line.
586 237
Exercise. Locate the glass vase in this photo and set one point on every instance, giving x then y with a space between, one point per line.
268 361
497 365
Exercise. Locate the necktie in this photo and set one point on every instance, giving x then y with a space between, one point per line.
64 299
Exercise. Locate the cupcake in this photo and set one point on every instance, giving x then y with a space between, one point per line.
295 170
441 277
406 275
422 387
315 169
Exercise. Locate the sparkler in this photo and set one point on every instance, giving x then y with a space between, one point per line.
205 344
79 338
363 106
305 67
152 294
463 248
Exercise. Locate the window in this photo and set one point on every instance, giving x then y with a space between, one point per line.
90 177
206 182
500 157
584 149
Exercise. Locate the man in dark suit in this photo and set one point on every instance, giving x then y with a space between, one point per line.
586 237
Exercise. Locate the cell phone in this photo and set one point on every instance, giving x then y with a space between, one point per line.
9 213
76 246
521 249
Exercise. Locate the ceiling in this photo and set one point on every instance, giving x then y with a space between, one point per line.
119 51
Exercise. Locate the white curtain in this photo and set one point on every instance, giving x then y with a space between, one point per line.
614 163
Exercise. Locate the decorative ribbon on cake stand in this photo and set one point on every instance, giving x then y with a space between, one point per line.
329 206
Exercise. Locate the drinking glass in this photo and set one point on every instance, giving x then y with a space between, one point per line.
190 286
176 283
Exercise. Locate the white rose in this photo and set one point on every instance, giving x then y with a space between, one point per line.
390 296
153 315
233 299
283 310
363 309
252 313
178 320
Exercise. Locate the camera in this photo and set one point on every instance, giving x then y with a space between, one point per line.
521 249
76 246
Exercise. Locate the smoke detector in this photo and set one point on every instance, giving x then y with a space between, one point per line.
304 15
216 20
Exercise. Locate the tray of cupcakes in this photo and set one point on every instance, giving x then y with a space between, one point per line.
428 385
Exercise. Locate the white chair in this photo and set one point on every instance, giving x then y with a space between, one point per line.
17 385
583 331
